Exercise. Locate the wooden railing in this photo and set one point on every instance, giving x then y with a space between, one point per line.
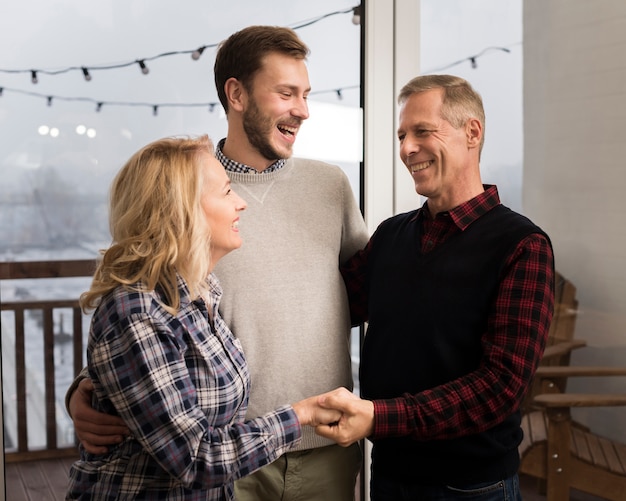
46 308
40 270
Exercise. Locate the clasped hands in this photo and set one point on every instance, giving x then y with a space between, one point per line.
339 415
354 417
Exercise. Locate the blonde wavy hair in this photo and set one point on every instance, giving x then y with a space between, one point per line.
157 225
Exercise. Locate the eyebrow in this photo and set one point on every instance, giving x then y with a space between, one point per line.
418 125
293 88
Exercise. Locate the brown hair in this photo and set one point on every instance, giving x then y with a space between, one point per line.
241 55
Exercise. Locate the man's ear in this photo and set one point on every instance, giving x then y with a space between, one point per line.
474 132
235 94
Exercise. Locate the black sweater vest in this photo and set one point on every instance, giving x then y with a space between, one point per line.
427 313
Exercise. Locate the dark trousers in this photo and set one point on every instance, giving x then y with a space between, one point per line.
384 489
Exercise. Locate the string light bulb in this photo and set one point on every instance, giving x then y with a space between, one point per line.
356 15
197 53
155 110
473 62
98 107
144 68
49 100
33 76
86 74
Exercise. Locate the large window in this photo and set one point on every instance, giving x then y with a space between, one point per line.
65 136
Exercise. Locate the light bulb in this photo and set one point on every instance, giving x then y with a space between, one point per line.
144 68
197 53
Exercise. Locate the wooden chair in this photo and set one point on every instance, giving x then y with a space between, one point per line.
560 452
561 342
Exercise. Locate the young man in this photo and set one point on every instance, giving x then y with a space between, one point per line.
284 297
459 296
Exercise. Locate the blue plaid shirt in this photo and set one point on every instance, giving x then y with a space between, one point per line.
181 385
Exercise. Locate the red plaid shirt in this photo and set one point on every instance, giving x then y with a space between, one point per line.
470 404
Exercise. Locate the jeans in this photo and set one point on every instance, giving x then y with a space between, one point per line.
384 489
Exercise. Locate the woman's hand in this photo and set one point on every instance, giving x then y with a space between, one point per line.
356 419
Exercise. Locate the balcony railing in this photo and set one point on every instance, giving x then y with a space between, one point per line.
17 414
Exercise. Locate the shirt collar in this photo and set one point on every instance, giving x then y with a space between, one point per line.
465 214
213 290
233 166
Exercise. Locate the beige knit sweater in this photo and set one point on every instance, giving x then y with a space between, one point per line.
284 297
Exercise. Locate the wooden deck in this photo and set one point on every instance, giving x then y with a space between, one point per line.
46 480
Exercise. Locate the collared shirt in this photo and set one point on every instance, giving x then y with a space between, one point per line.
181 384
232 166
446 224
468 407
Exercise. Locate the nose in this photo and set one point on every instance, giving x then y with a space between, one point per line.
301 109
409 146
240 203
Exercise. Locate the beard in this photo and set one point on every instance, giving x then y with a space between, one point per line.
259 128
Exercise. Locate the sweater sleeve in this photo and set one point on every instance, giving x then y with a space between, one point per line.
354 235
353 272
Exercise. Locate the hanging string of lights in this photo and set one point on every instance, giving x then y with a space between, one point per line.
87 70
211 105
195 55
99 104
472 59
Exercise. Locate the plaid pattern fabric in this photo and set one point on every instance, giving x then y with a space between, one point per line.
525 297
181 385
232 166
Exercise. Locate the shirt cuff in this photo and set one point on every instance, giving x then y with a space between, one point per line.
284 426
389 418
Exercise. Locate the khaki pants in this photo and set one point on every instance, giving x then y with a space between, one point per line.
321 474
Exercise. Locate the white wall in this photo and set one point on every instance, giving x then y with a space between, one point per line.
575 172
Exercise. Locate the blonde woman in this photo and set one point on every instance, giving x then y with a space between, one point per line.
159 355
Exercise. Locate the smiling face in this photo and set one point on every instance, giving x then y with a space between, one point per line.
275 105
442 160
221 207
